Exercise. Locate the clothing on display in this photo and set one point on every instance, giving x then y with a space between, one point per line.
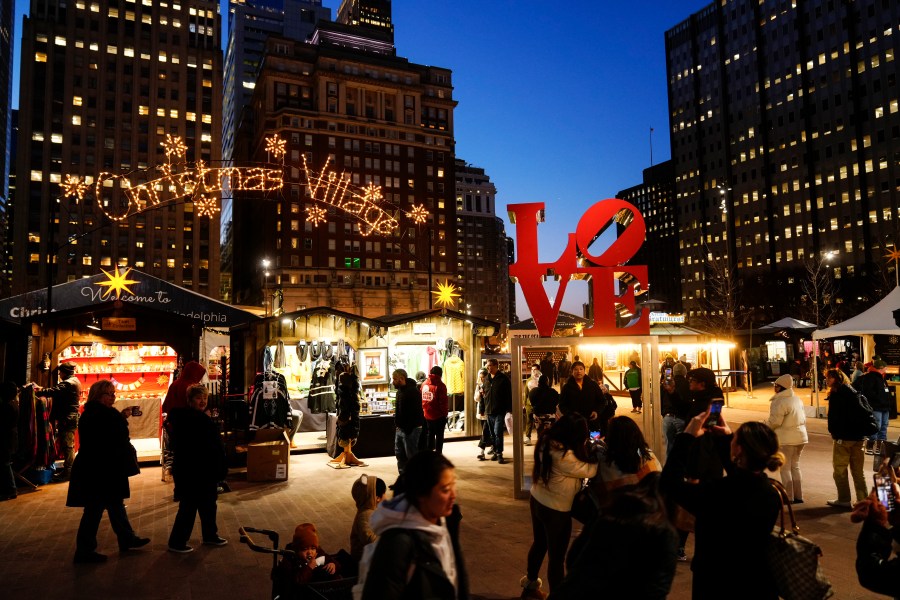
455 375
269 405
321 387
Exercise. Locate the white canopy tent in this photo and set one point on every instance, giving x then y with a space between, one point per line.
788 323
878 320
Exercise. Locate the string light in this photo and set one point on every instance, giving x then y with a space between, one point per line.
445 294
174 145
206 206
74 186
315 215
362 203
418 214
277 146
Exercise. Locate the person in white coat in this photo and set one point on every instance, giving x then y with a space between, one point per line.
788 420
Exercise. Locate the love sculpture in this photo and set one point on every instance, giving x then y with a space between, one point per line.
577 262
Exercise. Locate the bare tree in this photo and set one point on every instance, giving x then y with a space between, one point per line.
819 289
722 302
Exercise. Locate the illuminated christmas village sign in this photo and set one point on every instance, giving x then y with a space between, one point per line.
605 270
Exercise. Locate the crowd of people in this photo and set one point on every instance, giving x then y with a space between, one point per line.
408 545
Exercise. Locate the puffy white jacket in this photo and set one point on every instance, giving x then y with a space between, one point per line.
787 418
566 476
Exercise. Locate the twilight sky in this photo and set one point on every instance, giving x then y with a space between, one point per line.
556 104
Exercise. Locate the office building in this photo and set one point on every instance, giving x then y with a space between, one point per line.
349 106
785 129
102 86
481 255
370 16
655 200
7 12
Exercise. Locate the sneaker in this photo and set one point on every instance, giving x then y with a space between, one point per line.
839 504
527 441
494 457
216 541
181 549
682 557
481 456
88 557
500 459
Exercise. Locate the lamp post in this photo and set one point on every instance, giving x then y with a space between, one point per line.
265 266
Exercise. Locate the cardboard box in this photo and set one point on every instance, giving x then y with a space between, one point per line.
268 456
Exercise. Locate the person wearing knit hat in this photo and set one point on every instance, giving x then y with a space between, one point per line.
787 419
368 492
307 563
64 397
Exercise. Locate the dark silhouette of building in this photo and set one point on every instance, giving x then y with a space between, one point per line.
7 13
655 199
102 85
784 129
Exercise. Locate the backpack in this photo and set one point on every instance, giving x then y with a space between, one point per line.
861 417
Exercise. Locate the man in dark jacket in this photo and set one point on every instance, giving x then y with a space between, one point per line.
497 402
582 395
198 465
676 405
64 411
408 418
847 451
548 367
873 386
563 370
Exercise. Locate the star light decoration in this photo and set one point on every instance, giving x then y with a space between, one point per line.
74 186
206 206
418 214
445 294
276 146
315 215
893 255
174 146
117 282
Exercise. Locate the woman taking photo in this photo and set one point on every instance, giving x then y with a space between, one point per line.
734 514
626 459
417 554
561 463
788 420
105 461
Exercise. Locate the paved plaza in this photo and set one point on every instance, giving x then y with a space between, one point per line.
37 531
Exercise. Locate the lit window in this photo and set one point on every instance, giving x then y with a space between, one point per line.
110 49
37 176
173 113
56 138
207 118
59 40
129 52
162 57
40 57
76 100
160 112
143 110
76 119
37 136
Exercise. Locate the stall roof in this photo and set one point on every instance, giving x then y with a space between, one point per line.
139 289
788 323
385 320
877 320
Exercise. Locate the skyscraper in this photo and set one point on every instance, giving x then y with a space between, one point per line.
784 128
7 12
481 259
371 16
383 126
102 86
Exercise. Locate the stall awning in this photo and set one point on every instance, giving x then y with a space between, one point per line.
877 320
788 323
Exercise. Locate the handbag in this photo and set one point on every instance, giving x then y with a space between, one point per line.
585 505
793 560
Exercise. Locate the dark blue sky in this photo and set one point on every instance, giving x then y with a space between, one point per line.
556 101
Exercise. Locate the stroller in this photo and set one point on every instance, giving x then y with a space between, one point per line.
283 588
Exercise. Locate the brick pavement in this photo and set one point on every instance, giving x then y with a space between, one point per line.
37 531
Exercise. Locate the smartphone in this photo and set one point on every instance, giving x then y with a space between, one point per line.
715 413
136 411
668 375
885 492
595 435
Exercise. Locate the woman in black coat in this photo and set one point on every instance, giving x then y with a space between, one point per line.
198 464
734 514
105 461
9 437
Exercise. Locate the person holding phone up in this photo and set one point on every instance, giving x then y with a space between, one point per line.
734 514
876 569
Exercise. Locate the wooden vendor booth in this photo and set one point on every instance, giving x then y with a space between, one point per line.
302 351
128 327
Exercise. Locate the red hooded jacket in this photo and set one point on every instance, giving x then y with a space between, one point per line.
176 397
434 398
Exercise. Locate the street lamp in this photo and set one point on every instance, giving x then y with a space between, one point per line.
265 265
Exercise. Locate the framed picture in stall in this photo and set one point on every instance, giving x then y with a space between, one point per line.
373 367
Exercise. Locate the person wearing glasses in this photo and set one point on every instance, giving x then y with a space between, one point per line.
99 481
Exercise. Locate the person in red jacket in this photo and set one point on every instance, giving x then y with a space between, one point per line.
176 397
435 407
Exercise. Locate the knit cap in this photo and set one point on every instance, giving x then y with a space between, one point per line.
679 369
785 381
305 536
67 369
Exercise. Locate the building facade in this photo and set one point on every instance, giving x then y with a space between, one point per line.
481 255
655 199
347 105
785 137
102 85
7 15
